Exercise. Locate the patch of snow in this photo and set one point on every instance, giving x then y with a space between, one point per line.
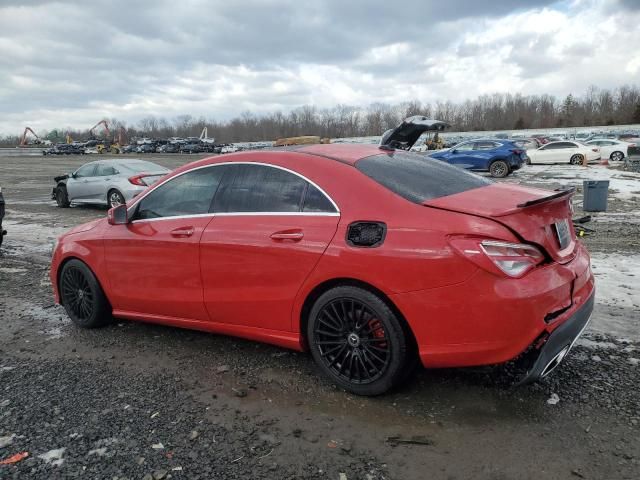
553 399
53 457
7 440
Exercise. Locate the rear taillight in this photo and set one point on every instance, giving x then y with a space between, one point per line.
138 180
631 145
518 152
502 258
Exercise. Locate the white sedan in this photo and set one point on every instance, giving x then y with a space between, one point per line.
615 150
564 152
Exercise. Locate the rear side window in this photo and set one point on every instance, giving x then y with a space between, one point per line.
485 145
259 188
188 194
104 170
315 201
418 178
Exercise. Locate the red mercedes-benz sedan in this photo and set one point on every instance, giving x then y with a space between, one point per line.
369 257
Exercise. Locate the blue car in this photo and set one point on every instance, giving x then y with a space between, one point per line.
494 155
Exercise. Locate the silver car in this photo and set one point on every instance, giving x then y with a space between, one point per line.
110 182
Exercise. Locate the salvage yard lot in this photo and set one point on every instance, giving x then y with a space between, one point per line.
132 399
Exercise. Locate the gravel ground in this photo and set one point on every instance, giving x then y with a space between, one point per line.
94 404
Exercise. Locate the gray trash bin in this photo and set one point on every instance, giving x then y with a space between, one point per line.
595 195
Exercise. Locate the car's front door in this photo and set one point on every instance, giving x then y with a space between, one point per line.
269 230
461 155
154 260
79 184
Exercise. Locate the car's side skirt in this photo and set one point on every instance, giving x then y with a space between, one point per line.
280 338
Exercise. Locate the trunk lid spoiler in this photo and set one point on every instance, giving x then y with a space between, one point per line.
533 214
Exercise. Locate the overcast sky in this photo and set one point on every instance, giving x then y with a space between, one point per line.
72 62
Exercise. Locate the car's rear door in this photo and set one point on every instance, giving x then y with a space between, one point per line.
269 230
154 261
103 177
546 154
483 152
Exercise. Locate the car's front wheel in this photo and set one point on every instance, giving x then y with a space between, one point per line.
62 198
499 169
115 198
82 296
358 341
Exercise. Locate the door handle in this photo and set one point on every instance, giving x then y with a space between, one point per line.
293 235
182 232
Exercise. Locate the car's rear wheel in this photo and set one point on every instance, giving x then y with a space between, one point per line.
617 156
62 199
82 296
576 159
357 340
499 169
115 198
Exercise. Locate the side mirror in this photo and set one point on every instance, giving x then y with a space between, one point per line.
454 151
73 175
118 215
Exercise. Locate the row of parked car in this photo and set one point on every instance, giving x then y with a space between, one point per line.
500 157
94 147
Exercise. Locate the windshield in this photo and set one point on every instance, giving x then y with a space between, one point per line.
417 178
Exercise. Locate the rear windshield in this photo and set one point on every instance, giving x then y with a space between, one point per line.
141 166
418 178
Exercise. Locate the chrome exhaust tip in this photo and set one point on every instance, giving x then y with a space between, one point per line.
555 361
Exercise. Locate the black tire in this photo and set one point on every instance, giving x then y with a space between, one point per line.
499 169
357 341
62 199
576 159
616 156
82 296
114 198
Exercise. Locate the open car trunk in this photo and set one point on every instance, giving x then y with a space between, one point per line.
536 216
405 135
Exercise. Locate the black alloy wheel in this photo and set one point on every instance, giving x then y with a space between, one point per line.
82 296
352 341
77 293
357 340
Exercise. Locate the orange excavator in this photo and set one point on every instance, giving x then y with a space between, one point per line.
106 129
106 146
37 141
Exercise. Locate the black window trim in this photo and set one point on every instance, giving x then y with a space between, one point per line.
132 210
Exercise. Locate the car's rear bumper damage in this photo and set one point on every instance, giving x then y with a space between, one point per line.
549 351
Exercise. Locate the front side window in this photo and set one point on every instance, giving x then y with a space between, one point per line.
259 188
188 194
86 170
317 202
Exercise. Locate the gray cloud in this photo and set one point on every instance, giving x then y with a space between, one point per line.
73 61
